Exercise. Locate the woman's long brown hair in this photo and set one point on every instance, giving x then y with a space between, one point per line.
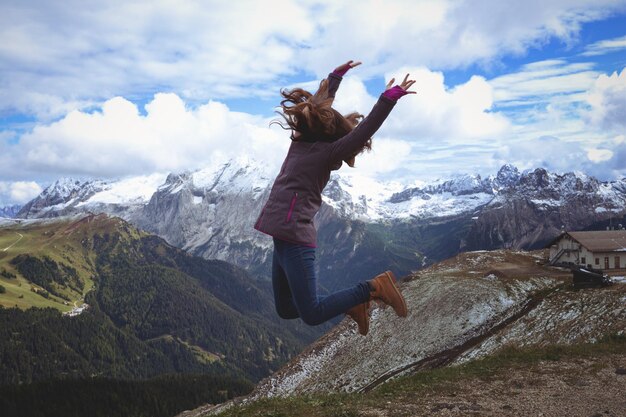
314 118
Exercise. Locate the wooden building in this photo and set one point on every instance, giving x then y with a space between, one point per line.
604 250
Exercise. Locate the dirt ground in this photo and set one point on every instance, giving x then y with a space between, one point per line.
574 388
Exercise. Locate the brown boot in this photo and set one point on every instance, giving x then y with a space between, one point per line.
359 313
385 289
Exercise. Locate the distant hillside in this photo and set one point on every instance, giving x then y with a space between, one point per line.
151 308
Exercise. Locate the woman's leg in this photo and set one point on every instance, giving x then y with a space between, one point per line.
282 293
298 264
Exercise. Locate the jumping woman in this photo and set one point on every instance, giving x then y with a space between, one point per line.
322 139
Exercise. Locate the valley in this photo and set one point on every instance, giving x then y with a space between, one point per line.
142 306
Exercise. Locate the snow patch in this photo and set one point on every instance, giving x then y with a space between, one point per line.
135 190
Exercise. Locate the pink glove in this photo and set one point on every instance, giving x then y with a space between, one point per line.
342 69
395 92
341 72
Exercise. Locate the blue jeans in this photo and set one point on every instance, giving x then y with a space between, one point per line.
295 287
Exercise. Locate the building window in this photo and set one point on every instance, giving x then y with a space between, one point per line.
583 260
606 262
597 261
617 265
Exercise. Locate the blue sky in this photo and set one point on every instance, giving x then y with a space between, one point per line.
122 88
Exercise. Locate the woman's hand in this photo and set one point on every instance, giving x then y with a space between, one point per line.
398 91
342 69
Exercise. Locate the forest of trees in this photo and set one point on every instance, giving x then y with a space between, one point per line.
165 331
45 272
164 396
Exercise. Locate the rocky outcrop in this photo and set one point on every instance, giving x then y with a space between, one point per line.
464 308
451 305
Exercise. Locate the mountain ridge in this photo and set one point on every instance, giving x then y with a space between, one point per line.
210 213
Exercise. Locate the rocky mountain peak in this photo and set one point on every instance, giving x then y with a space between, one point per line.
464 185
539 178
507 176
541 183
175 181
62 188
59 195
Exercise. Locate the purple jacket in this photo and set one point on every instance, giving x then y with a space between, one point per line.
297 192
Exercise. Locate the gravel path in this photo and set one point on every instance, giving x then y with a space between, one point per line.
14 243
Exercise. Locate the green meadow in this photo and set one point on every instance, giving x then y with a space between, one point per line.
68 244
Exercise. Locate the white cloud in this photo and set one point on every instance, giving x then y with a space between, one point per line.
605 46
607 98
95 50
444 34
548 152
542 81
18 192
387 155
57 61
117 140
353 96
437 114
606 161
618 161
599 155
55 56
568 119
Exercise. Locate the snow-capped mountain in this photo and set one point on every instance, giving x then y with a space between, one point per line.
10 211
69 196
210 212
540 204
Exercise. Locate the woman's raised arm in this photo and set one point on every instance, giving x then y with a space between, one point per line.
334 78
354 141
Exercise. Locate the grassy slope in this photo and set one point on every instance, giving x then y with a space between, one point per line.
60 241
423 392
42 240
